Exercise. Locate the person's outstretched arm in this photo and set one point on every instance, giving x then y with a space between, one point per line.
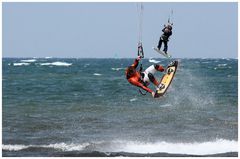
135 64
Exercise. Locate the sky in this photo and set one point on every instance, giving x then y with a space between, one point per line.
110 29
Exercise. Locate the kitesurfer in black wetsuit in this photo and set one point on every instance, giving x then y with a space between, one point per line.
167 32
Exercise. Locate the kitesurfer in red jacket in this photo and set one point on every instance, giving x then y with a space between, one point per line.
142 79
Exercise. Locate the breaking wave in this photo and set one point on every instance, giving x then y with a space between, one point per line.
97 74
204 148
30 60
21 64
56 64
153 60
117 69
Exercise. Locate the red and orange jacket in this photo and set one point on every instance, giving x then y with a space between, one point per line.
135 78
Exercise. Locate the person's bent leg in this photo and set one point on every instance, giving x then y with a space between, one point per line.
153 79
159 68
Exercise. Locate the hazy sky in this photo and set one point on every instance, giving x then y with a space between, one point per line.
108 30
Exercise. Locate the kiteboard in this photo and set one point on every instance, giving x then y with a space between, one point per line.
166 79
167 55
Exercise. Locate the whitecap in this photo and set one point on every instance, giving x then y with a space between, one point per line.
30 60
117 69
166 105
21 64
59 146
14 147
97 74
56 64
67 147
153 60
133 99
194 148
222 65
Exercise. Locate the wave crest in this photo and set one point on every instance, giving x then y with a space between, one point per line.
204 148
56 64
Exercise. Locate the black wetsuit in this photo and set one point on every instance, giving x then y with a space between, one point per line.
164 38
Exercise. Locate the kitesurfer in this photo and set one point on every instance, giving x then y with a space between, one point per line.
143 79
167 32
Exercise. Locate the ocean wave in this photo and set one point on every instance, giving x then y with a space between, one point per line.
153 60
206 62
97 74
58 146
166 105
204 148
21 64
56 64
86 65
30 60
15 147
133 99
222 65
117 69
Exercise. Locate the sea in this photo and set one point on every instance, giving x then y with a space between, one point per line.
66 107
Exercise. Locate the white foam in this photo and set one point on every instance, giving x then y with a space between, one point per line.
204 148
14 147
21 64
30 60
56 64
153 60
66 147
48 57
97 74
222 65
166 105
59 146
117 69
133 99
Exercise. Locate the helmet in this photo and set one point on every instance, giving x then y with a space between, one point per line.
169 27
130 71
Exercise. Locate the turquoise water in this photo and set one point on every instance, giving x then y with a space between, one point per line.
86 107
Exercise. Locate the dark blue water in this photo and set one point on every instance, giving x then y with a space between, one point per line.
86 107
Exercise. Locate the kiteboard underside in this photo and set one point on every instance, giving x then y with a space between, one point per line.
162 53
167 79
